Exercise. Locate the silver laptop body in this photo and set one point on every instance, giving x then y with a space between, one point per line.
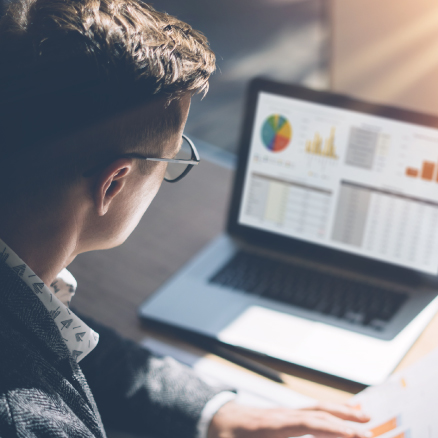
330 259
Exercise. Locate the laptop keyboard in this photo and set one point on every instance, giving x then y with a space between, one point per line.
350 300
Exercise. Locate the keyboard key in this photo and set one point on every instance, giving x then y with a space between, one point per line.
312 290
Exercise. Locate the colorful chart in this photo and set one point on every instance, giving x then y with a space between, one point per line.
428 171
276 133
386 427
315 146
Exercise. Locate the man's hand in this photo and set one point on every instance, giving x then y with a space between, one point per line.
324 420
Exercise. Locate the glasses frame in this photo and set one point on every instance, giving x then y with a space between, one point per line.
189 163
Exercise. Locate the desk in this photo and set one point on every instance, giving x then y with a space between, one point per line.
182 219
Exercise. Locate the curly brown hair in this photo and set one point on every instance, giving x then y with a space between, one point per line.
66 65
65 62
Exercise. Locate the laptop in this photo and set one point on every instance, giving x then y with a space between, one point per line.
330 258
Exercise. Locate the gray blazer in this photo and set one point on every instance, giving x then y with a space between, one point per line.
45 393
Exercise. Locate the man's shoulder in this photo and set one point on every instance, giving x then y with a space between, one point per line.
6 423
36 399
15 345
38 395
24 364
37 412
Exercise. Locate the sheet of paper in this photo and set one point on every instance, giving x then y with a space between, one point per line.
405 406
252 390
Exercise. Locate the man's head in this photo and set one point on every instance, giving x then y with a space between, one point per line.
82 81
66 65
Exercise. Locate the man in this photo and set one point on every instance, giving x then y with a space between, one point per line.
94 96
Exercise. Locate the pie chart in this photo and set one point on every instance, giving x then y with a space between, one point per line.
276 133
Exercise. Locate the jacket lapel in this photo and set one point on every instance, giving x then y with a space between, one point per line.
20 302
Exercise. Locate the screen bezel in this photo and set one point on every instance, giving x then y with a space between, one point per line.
297 247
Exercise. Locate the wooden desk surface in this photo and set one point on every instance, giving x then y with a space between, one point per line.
182 219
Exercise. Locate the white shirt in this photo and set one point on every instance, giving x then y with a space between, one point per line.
78 336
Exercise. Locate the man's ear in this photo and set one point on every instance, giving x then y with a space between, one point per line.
110 183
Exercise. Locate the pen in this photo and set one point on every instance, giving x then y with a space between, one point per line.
233 356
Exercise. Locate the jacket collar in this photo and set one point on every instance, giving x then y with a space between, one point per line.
20 301
77 336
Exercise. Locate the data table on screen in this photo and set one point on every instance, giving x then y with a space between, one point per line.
292 206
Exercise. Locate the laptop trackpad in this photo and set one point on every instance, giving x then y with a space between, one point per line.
257 327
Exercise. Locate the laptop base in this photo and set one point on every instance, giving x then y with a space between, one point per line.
190 302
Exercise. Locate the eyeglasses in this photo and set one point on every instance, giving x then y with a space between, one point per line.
177 168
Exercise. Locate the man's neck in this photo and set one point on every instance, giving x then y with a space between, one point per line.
45 246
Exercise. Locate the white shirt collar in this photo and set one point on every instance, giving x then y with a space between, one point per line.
79 338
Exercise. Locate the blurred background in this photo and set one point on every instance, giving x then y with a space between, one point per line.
382 51
281 39
385 52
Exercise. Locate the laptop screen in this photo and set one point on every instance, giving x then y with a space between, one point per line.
346 180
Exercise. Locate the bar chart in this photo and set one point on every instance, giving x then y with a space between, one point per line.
427 172
419 158
326 148
387 426
405 405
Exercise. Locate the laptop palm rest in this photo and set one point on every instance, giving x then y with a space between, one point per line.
326 348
